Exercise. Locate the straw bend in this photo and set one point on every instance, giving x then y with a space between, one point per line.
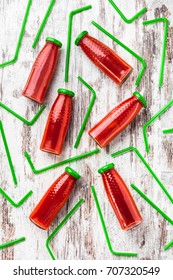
61 224
75 158
156 116
19 42
163 214
29 123
127 254
88 112
70 24
143 62
121 152
164 45
8 154
136 16
14 203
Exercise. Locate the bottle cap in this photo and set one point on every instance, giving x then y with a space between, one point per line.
72 172
80 36
53 40
66 91
106 167
141 98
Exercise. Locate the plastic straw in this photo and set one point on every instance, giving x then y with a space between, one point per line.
88 112
75 158
144 10
147 166
61 224
144 64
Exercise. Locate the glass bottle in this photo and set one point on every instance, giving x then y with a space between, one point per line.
117 120
57 123
42 71
104 58
54 199
120 198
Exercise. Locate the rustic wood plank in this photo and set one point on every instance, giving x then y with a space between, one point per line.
83 238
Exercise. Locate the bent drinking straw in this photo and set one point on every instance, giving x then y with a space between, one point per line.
163 214
61 224
44 21
70 25
11 243
88 112
14 203
167 246
144 64
144 10
126 254
121 152
75 158
164 44
34 119
156 116
8 154
22 31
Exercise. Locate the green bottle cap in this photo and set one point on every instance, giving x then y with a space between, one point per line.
53 40
141 98
72 172
66 91
80 36
106 167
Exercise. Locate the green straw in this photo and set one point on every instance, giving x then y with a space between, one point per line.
166 131
125 254
45 19
70 25
61 224
11 243
8 153
147 166
14 203
34 119
164 45
166 247
156 116
75 158
163 214
22 31
88 112
144 64
144 10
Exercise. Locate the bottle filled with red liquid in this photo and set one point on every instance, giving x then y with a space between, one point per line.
117 120
42 71
104 58
54 199
57 123
120 198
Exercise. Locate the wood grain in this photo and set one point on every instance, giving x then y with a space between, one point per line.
82 237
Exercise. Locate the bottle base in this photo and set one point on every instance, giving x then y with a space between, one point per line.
100 145
132 225
50 151
126 76
32 98
38 224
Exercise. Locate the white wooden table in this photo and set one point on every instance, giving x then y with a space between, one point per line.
83 237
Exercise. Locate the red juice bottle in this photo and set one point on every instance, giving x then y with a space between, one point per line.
104 58
57 123
120 198
42 71
117 120
54 199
